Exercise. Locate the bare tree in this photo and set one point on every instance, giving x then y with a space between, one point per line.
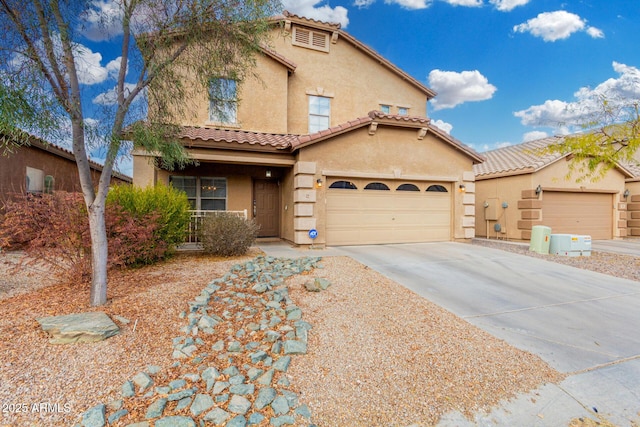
163 44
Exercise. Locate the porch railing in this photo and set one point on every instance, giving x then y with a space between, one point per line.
196 221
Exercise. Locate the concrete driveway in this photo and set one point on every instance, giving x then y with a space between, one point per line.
629 246
582 323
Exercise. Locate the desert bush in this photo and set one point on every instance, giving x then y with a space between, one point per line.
171 207
226 234
50 228
55 229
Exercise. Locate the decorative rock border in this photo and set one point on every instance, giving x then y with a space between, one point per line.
228 377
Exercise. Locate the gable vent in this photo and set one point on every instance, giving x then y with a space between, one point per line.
310 39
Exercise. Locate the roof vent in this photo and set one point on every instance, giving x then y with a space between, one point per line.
310 39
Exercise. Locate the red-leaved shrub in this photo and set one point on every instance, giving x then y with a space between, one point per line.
55 229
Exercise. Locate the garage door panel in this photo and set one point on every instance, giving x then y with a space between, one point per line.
381 216
578 213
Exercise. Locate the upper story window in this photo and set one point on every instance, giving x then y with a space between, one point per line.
223 100
311 39
386 109
403 111
319 113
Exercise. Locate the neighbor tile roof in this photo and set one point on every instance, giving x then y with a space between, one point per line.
518 159
529 157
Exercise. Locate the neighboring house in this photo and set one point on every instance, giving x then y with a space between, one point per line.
42 167
518 187
331 137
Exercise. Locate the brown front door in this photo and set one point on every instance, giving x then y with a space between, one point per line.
266 207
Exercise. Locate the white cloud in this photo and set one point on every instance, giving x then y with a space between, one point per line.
534 135
325 13
508 5
558 25
447 127
110 97
455 88
411 4
467 3
565 116
595 33
102 21
363 3
88 66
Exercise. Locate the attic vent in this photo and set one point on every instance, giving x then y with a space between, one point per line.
315 40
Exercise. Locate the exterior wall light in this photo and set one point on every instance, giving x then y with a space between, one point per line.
268 174
462 188
626 193
538 190
318 183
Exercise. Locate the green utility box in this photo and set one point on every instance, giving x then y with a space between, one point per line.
540 239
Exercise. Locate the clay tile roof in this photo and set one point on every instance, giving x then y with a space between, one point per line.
279 58
518 159
399 118
288 14
279 141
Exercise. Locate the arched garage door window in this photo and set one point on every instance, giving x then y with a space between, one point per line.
376 186
346 185
407 187
437 188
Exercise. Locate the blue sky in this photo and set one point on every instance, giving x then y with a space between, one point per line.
506 71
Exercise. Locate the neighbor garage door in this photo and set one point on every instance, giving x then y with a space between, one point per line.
578 213
374 212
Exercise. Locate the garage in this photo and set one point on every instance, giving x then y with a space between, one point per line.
578 213
369 211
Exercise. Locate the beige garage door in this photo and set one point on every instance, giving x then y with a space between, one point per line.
375 212
578 213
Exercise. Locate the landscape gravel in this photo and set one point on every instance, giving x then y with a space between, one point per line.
376 354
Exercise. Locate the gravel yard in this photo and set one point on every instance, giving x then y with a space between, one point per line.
377 354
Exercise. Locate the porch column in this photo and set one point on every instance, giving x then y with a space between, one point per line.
304 200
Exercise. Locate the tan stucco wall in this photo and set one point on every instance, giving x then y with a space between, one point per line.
274 102
495 192
262 100
355 82
509 189
390 154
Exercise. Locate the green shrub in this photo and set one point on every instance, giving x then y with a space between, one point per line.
170 205
226 234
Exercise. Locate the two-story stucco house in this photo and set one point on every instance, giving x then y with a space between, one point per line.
330 137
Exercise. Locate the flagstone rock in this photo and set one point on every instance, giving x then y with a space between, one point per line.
79 328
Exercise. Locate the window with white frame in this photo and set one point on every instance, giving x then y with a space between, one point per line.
34 180
223 101
204 193
319 113
213 194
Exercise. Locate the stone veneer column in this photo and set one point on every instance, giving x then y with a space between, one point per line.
633 215
622 223
530 208
304 200
469 205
